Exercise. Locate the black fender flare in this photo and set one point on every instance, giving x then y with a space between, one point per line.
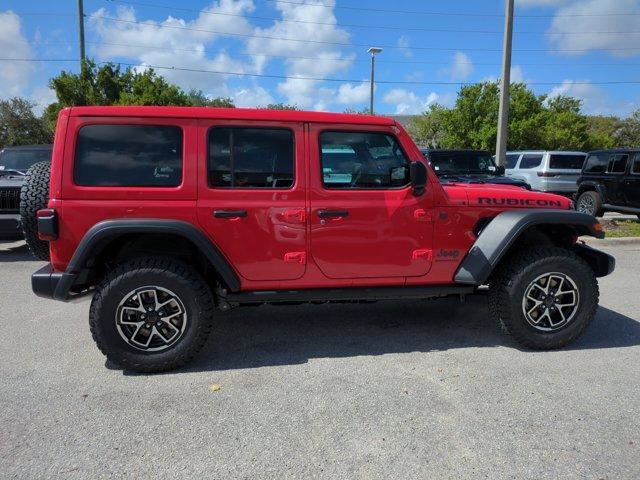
103 232
497 237
589 185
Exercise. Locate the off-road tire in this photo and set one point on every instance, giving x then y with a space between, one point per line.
34 195
180 278
508 287
594 199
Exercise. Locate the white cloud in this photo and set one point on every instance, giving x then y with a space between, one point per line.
595 101
305 93
252 97
42 97
14 76
350 94
461 67
407 102
176 42
590 17
403 43
517 75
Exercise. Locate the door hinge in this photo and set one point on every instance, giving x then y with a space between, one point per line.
295 257
423 253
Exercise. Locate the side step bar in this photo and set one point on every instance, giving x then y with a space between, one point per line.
348 294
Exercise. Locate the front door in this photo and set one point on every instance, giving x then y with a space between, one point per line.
365 220
251 196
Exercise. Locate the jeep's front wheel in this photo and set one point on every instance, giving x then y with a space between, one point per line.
591 203
151 315
545 297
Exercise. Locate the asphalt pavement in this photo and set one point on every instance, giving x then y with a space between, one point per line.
398 390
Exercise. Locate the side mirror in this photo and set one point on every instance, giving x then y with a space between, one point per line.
500 170
418 174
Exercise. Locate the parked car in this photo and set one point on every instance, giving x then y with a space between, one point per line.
610 182
169 215
468 166
14 164
553 172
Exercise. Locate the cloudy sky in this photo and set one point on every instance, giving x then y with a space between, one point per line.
312 53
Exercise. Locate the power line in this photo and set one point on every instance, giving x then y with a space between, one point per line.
315 79
344 44
337 59
403 28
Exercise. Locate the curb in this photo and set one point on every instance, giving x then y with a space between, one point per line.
611 241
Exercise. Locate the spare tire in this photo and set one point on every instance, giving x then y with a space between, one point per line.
34 196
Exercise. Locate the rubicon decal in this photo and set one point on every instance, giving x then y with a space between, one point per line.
519 202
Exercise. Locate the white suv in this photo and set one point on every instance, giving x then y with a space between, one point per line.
546 171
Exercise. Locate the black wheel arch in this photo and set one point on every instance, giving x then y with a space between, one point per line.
517 227
123 239
592 186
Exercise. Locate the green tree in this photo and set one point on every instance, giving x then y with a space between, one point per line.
19 125
197 98
429 129
629 132
110 85
602 131
281 106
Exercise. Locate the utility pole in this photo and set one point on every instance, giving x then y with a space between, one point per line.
81 31
372 51
503 113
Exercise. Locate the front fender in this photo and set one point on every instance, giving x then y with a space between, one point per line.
500 234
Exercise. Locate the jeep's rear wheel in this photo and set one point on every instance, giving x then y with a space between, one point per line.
34 195
151 315
590 202
545 297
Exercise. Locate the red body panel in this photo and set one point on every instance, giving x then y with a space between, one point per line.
390 237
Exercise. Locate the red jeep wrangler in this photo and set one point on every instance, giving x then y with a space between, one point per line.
167 215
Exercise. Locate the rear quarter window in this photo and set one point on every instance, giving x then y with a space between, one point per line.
530 160
128 156
512 159
566 162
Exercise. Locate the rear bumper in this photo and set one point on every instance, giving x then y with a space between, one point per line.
48 283
10 227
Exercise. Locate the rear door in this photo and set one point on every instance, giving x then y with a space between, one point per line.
563 171
528 168
631 184
251 196
614 177
365 221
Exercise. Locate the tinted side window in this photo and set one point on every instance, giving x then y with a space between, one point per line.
569 162
531 160
636 164
618 163
129 156
596 163
362 160
512 159
251 157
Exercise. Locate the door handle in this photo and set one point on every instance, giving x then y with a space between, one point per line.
333 213
229 213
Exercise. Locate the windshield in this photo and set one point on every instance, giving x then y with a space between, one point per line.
462 163
21 160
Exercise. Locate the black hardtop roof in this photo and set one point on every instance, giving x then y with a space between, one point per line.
457 150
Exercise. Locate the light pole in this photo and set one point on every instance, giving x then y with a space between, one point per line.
372 51
503 113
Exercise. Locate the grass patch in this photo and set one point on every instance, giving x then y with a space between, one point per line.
621 228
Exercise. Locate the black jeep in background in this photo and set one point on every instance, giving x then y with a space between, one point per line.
610 182
14 165
469 166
